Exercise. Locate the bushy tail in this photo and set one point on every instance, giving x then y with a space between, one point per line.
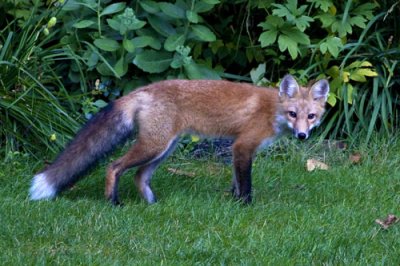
99 136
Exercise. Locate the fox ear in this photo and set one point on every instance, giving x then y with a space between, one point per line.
288 87
320 90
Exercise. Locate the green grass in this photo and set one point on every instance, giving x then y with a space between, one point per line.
297 218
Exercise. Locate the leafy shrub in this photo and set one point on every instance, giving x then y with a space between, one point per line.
133 42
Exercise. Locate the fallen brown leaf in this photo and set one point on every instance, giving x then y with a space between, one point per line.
180 172
355 158
390 220
313 164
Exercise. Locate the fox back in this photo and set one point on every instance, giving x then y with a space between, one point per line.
162 111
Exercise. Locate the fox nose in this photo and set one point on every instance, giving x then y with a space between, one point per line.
301 135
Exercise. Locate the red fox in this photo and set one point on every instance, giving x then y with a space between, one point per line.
160 112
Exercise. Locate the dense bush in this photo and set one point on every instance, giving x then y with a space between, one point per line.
101 49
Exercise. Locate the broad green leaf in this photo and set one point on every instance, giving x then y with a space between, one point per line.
358 64
153 61
303 22
367 72
104 70
195 71
83 24
202 6
149 6
173 41
331 99
268 37
114 24
258 73
203 33
296 36
326 19
128 45
360 74
113 8
92 59
161 26
107 44
358 21
143 41
192 16
324 5
331 44
171 10
121 67
287 43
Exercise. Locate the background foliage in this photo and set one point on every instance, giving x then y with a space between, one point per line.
61 60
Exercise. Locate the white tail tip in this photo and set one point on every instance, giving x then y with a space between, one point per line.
41 189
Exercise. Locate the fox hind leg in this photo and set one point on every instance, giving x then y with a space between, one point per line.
145 172
144 154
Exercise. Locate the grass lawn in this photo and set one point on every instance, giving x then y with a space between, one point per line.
297 218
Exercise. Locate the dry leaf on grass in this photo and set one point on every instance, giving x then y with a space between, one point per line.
390 220
355 158
181 172
313 164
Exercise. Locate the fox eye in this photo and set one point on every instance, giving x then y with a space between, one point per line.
292 114
311 116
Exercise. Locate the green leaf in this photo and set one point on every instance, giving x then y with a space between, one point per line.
121 67
202 6
149 6
161 26
173 41
83 24
268 37
113 8
203 33
331 99
195 71
143 41
128 45
287 43
326 19
108 45
331 44
358 21
324 5
114 24
192 16
356 76
303 22
258 73
153 61
92 59
171 10
296 35
105 70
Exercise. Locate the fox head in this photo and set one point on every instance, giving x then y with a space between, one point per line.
302 108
